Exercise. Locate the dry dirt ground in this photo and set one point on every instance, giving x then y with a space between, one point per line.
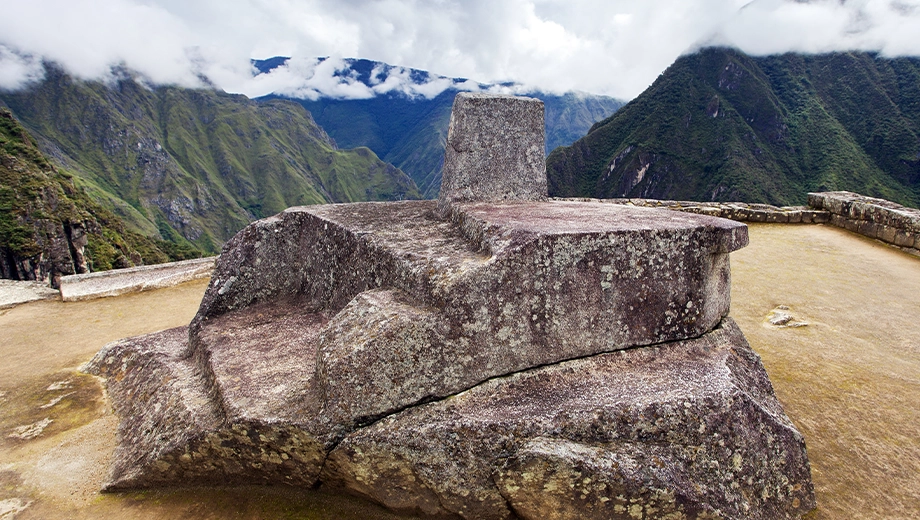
848 376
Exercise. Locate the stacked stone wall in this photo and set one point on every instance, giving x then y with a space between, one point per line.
880 219
883 220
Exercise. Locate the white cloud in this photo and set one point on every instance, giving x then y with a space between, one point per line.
615 47
17 71
776 26
333 77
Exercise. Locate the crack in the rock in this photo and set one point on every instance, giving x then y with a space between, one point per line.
374 419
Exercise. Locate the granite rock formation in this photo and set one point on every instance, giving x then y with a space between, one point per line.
522 358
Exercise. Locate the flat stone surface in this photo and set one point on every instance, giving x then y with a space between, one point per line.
261 360
494 150
121 281
739 211
687 428
568 217
14 292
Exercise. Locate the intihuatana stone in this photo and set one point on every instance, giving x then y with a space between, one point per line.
494 150
501 288
468 358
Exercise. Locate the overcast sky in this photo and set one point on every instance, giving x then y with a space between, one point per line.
612 47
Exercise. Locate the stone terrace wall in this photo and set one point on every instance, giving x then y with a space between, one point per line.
875 218
880 219
739 211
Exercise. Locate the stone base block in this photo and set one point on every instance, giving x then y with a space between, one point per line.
689 428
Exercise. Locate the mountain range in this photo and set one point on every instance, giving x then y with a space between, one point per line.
719 125
140 173
193 166
409 131
49 227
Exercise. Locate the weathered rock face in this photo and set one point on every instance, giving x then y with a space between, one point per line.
174 430
688 428
502 288
494 359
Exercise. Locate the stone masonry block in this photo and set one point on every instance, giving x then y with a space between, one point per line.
905 238
495 150
887 234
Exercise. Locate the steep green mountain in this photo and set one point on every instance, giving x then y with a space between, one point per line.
410 131
719 126
49 227
194 166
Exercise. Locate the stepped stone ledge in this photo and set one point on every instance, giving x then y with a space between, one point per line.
468 358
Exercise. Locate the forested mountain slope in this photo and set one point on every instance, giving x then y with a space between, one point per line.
194 166
719 125
410 131
49 227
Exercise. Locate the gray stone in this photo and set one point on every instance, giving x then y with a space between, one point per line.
777 217
816 217
177 427
115 282
689 428
867 228
380 353
904 238
795 216
14 292
470 358
502 288
327 318
850 206
756 215
494 150
850 225
887 234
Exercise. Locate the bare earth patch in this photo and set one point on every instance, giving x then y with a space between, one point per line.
848 375
850 379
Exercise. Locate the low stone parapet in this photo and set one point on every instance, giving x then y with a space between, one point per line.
739 211
881 219
15 292
120 281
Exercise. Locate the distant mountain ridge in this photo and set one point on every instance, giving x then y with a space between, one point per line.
49 227
719 125
194 166
409 130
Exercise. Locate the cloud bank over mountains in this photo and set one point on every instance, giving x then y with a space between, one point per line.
613 47
312 78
